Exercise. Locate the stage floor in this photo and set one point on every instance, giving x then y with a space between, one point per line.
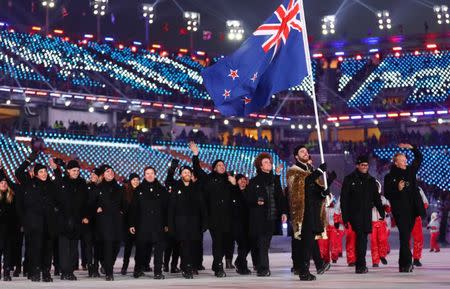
435 273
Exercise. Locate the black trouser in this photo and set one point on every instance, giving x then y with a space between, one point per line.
68 251
405 257
187 254
317 258
220 241
40 252
361 248
56 254
253 251
262 247
172 250
87 247
110 251
294 253
16 253
305 248
129 243
198 253
6 250
243 244
142 248
229 249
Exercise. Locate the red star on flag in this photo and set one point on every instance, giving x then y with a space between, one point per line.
233 74
227 93
255 76
247 100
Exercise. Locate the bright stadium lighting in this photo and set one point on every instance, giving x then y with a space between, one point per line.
192 20
235 31
99 7
442 14
148 12
384 20
329 25
48 4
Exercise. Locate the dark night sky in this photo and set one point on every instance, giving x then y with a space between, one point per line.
353 21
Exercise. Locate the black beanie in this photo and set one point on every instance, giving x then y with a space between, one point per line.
214 164
2 176
297 148
239 176
96 171
132 176
38 167
104 168
72 164
362 159
185 168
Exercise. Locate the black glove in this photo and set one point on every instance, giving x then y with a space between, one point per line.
174 164
326 192
332 177
33 156
336 225
323 167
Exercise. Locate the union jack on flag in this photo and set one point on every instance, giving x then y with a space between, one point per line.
273 59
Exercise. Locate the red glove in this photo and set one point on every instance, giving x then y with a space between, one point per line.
425 205
387 208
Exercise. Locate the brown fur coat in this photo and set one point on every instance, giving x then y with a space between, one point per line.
296 186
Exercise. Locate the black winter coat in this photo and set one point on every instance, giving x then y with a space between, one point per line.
89 228
39 207
217 192
109 223
148 211
9 220
358 196
314 200
240 214
259 221
406 204
72 204
187 211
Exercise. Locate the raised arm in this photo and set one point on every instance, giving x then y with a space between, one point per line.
198 171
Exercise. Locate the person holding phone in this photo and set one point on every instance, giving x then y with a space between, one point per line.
267 209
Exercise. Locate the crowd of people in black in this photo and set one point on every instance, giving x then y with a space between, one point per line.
170 218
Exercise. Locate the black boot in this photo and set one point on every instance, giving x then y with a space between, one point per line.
325 268
383 260
124 268
6 275
35 277
109 277
219 272
46 276
187 272
175 270
166 268
17 272
361 270
138 274
94 270
417 263
307 277
406 269
158 276
56 272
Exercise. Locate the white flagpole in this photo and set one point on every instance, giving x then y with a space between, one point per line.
310 75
